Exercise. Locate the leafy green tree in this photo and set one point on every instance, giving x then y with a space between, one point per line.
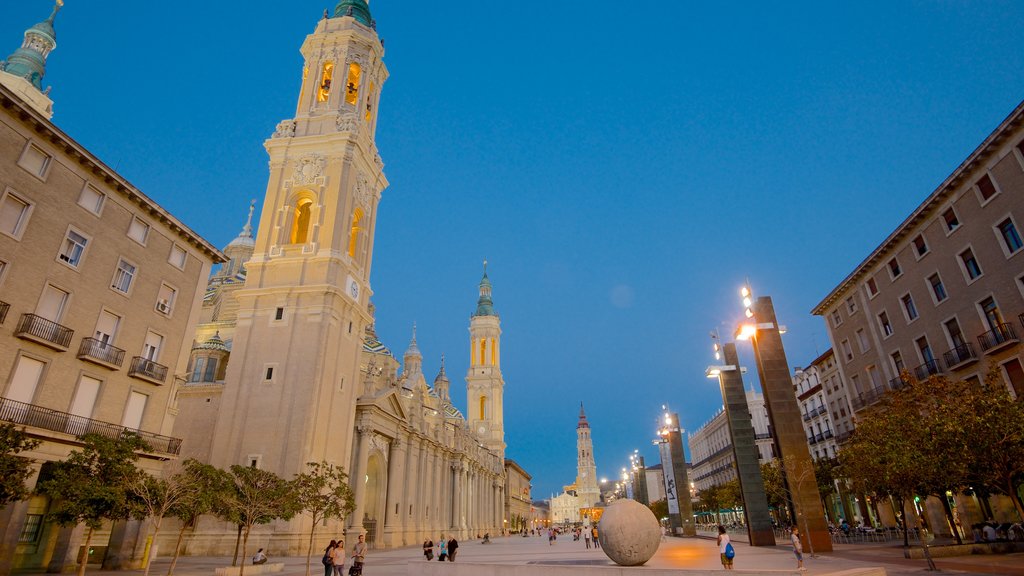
322 492
712 499
207 489
14 469
775 489
732 495
259 497
660 508
92 485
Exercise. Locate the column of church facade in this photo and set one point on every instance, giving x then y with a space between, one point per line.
417 515
457 491
427 493
355 525
396 481
410 488
441 495
471 518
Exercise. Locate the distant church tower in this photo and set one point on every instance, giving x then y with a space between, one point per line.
291 385
586 469
23 70
484 384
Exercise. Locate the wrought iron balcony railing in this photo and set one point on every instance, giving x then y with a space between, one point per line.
997 338
147 370
897 382
4 308
843 436
959 355
826 434
56 421
101 353
929 368
43 331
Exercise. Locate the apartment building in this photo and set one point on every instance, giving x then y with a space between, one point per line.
100 290
819 424
944 292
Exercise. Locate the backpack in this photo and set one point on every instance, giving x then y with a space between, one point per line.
326 559
730 552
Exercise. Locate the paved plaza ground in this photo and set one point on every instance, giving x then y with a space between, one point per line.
674 553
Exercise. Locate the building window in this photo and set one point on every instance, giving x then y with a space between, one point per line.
269 373
151 348
72 249
872 287
837 319
134 410
138 231
197 369
177 257
971 267
323 91
300 226
897 362
106 327
123 277
956 335
352 83
847 350
875 376
938 290
884 324
279 314
32 529
165 299
354 232
14 213
925 350
987 188
1011 238
990 310
851 305
909 308
894 269
35 161
3 269
920 246
862 340
91 199
952 222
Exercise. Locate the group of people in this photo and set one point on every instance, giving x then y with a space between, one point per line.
727 553
334 558
446 549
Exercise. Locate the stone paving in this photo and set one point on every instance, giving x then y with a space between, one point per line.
674 553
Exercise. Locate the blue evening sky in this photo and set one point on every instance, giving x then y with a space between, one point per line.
624 166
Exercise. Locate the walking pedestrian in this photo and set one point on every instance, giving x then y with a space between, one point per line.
586 538
453 547
327 560
358 555
442 552
798 547
725 550
338 558
593 536
428 549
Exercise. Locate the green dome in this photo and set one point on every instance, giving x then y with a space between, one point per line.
357 9
485 306
29 61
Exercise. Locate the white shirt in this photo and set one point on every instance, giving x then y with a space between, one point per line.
723 540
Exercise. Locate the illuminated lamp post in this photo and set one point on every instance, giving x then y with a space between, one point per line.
744 445
765 334
673 465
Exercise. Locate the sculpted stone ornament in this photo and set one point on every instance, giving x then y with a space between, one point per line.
346 123
308 169
629 533
285 129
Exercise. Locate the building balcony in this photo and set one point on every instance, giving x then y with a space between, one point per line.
53 420
1002 336
4 308
147 370
812 440
928 369
42 331
826 434
897 382
99 352
960 356
843 436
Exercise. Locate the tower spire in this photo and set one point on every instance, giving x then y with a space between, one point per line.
27 65
484 305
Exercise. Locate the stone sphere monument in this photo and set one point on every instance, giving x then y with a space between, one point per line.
629 533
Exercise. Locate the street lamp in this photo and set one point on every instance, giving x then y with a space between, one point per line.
765 335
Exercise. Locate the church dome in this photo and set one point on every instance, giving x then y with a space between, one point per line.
29 61
357 9
213 343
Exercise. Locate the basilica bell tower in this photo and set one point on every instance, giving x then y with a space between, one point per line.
484 384
293 375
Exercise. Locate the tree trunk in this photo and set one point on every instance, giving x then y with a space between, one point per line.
950 518
906 528
924 543
309 551
85 555
149 555
245 541
238 539
177 548
1011 491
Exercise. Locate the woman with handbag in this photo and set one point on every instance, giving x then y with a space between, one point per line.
428 549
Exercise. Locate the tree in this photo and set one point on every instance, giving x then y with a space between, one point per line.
91 486
775 488
208 489
732 494
322 492
14 469
660 508
259 497
712 500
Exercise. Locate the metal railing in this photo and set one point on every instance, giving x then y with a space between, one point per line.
929 368
4 308
101 351
1001 334
843 436
897 382
146 368
959 354
54 420
39 328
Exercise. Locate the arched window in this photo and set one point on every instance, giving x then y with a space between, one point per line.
483 351
483 407
211 370
352 84
353 235
300 227
369 103
323 91
197 369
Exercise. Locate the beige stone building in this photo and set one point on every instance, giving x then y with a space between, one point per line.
286 367
100 291
711 445
944 292
518 497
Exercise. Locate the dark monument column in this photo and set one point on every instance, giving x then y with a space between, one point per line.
744 449
641 482
682 481
787 424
